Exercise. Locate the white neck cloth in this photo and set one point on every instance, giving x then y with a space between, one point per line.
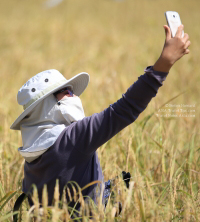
41 128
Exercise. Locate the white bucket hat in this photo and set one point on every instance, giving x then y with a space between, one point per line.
43 84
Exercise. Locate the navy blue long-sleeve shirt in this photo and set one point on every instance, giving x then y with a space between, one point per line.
73 156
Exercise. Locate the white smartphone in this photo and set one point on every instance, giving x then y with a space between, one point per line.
174 21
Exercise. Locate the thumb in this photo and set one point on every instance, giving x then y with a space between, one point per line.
167 32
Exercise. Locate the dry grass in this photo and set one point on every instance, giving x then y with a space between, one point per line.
113 41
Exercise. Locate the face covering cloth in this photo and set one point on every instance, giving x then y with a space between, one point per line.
41 128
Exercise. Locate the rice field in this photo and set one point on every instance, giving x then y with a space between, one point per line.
114 41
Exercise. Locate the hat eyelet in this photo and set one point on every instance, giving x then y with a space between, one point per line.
33 89
46 80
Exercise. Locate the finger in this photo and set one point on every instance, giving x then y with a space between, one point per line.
186 37
167 32
187 51
187 44
179 31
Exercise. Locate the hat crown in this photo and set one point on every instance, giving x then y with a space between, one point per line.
39 84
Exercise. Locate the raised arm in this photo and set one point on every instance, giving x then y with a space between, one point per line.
91 132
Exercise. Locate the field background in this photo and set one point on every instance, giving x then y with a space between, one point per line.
113 41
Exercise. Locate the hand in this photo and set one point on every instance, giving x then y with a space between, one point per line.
173 50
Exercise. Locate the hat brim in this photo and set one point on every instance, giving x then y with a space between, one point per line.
79 84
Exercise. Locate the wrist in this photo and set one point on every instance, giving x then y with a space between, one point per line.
162 65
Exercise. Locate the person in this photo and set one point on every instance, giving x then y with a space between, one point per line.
59 142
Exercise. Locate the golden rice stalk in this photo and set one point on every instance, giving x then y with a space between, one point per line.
26 217
69 194
128 153
175 185
187 215
65 215
36 203
151 192
129 196
172 167
101 207
7 178
86 211
81 201
17 178
56 194
6 130
45 203
74 193
1 170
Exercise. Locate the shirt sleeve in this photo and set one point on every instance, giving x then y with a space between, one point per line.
91 132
